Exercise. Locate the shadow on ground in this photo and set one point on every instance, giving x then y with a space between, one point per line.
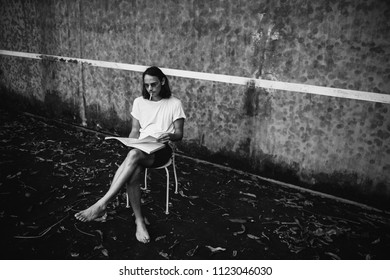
50 170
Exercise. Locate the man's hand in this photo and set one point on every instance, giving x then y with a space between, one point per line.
164 138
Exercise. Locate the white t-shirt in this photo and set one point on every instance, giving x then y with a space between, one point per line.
157 117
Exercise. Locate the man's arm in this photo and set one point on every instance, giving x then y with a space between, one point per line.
177 135
135 127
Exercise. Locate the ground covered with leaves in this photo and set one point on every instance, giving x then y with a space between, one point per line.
49 171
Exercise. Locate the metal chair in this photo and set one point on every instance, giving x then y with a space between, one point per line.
165 166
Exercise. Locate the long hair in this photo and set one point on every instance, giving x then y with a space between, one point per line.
156 72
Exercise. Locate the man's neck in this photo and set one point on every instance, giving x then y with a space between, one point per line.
156 98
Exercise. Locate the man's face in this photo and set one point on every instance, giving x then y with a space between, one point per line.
152 84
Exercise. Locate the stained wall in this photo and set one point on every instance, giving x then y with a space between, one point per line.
335 145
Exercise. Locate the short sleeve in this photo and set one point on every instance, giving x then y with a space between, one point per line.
135 111
178 112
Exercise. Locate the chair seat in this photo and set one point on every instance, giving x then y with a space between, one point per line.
162 166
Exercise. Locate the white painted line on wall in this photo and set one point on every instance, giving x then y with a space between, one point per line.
277 85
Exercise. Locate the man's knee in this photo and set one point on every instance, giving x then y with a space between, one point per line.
133 156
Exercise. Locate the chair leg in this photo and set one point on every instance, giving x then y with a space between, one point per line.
127 199
167 198
146 179
174 173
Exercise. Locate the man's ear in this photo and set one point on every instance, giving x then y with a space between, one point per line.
163 81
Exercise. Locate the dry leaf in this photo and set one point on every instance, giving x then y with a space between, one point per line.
296 249
100 234
186 196
98 247
215 250
160 237
307 203
239 232
319 232
164 255
264 235
174 244
251 236
298 223
334 256
102 219
241 221
83 193
191 252
249 194
104 252
182 193
376 241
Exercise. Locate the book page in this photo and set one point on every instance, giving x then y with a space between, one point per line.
147 145
127 140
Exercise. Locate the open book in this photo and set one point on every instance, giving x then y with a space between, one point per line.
148 144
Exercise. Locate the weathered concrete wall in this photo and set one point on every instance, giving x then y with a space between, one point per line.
334 145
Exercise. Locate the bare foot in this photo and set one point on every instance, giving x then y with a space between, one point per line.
141 233
93 212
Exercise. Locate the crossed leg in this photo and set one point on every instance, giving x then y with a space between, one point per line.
128 172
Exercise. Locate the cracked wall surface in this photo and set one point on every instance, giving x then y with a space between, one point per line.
335 145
